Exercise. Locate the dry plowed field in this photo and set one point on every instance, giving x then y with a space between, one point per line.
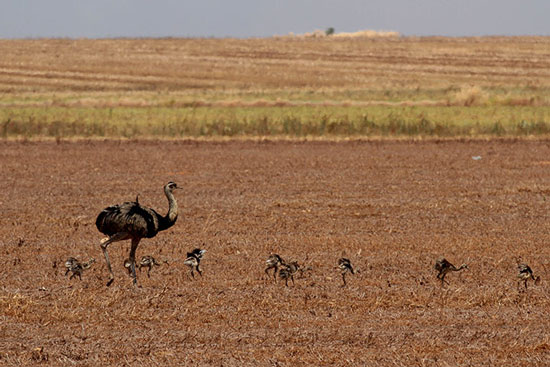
61 65
391 207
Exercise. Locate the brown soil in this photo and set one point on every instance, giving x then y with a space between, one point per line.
391 207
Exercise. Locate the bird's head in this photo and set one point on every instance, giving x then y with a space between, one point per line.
171 186
524 268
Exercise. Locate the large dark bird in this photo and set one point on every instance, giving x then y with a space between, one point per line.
131 221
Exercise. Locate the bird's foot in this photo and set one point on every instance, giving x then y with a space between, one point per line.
110 282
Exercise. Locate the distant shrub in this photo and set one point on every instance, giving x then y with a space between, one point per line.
359 34
368 33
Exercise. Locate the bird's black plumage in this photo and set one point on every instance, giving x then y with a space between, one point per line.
130 220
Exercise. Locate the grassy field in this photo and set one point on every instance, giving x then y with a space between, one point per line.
274 121
286 86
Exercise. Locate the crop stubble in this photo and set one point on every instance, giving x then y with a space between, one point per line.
59 65
392 207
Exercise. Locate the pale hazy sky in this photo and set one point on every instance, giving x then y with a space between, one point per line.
262 18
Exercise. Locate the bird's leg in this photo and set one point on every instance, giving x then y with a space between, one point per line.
192 273
269 268
199 269
133 248
149 271
344 278
292 278
104 244
443 279
525 283
275 273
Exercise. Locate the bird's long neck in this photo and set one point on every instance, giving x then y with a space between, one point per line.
170 218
